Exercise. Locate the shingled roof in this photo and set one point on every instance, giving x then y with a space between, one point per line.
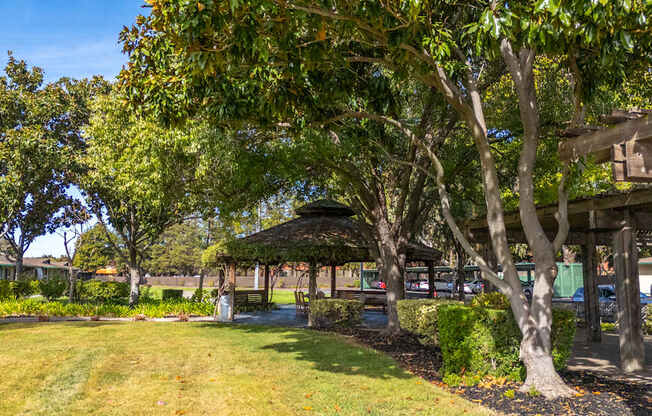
324 233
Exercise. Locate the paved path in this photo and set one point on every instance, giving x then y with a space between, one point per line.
286 315
604 358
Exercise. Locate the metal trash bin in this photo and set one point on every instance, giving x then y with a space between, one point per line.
225 304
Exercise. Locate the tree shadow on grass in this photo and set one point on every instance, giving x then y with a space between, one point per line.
325 351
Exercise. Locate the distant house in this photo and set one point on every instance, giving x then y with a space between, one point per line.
36 267
645 274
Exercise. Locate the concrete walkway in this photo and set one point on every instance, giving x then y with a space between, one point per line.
286 315
604 359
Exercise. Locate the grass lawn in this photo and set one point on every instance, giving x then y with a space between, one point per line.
281 296
147 368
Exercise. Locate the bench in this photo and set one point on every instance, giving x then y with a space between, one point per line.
367 299
249 297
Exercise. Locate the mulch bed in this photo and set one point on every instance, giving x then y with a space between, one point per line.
596 395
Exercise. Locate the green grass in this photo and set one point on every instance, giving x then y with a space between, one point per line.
147 368
281 296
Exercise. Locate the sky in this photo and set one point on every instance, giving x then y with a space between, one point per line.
67 38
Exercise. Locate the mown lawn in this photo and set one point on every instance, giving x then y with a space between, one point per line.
147 368
280 297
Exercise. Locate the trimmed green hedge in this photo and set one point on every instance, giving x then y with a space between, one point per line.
149 308
491 300
5 290
170 294
477 341
52 288
325 313
419 317
100 291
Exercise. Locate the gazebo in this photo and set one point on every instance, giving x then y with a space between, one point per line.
323 234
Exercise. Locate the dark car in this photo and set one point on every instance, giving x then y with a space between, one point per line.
606 293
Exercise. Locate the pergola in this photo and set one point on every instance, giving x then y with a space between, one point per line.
323 234
622 220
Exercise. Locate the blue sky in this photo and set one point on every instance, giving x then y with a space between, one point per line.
72 38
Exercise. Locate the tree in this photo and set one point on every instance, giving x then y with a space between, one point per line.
73 225
93 249
177 251
137 181
238 48
39 138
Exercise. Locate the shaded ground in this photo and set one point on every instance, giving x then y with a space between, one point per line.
596 395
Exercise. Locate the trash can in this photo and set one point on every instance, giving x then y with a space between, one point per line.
225 304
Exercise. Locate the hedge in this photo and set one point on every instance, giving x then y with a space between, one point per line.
325 313
419 317
99 291
479 341
169 294
149 308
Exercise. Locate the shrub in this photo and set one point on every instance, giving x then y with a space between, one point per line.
419 317
99 291
483 341
169 294
151 309
5 290
52 288
23 288
335 312
491 300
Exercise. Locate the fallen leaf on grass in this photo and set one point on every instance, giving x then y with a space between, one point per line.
211 379
308 395
308 408
337 408
180 412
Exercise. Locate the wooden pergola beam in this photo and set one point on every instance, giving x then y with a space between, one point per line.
577 207
599 143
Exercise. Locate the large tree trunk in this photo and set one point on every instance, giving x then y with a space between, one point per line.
134 278
72 280
536 326
18 270
394 275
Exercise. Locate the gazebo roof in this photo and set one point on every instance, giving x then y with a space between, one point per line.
323 233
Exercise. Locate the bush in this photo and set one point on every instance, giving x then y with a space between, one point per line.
52 288
169 294
23 288
150 309
5 290
419 317
325 313
482 342
99 291
491 300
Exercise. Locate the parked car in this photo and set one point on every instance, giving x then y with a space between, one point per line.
528 289
606 293
607 303
468 287
476 286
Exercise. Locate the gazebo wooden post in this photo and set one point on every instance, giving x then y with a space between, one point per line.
591 304
431 279
266 290
231 291
312 288
632 354
333 281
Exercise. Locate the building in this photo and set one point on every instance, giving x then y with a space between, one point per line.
645 275
34 267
